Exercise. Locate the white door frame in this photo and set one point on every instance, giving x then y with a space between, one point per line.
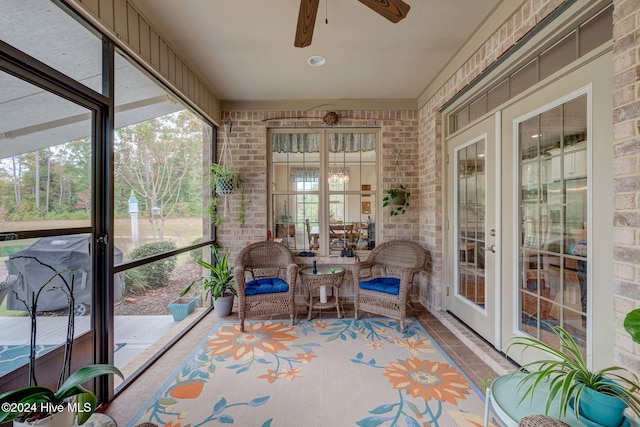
472 314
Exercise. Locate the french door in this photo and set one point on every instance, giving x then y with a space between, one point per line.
528 238
557 213
472 228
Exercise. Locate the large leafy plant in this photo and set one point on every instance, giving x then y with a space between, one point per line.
37 402
567 373
220 280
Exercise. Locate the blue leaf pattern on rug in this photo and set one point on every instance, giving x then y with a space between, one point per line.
317 373
14 356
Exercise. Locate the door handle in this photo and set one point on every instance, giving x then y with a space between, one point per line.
492 248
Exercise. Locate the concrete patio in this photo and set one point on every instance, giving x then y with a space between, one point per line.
137 338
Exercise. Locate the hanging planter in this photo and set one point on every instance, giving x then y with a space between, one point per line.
398 199
225 186
225 180
397 196
225 177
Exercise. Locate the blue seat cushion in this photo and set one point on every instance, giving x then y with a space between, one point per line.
388 285
267 285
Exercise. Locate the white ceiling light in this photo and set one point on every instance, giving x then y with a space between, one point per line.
316 60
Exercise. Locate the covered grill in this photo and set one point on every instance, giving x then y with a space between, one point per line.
69 255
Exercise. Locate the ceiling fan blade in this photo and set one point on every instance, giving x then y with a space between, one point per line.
306 22
393 10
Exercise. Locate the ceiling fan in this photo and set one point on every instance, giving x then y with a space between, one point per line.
393 10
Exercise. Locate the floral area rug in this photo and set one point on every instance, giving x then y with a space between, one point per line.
328 372
14 356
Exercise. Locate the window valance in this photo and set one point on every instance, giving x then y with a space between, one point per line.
309 142
304 175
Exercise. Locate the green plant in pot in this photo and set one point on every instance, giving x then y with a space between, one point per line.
38 403
398 198
219 284
69 401
573 385
225 179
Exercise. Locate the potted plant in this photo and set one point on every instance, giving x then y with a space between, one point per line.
220 283
572 384
286 217
398 198
57 406
35 403
225 179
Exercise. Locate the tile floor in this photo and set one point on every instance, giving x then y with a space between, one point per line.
474 356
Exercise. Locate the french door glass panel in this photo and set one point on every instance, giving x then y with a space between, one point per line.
553 217
471 222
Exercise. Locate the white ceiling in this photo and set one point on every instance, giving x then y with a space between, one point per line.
243 49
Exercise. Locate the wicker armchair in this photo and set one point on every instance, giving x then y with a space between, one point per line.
265 275
541 421
382 282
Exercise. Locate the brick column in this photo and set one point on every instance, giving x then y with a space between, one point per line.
626 148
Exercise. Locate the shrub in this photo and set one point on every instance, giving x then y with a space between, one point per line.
196 254
153 275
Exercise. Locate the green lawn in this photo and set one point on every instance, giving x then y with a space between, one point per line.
10 313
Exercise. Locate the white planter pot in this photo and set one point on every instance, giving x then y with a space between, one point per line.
223 305
59 419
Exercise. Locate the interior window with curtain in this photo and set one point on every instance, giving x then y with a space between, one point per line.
323 189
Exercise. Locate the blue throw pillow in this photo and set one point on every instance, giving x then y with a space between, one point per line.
388 285
268 285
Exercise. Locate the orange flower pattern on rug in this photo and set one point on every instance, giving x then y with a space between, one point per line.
231 378
425 379
187 390
262 343
259 338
